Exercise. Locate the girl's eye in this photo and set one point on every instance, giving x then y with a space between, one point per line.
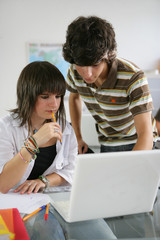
44 96
58 96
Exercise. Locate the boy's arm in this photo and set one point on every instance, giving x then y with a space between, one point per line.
75 107
143 124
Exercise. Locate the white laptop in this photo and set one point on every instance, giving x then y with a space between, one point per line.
112 184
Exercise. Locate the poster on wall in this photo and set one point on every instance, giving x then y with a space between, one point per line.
48 52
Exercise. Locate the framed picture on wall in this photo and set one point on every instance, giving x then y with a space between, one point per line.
48 52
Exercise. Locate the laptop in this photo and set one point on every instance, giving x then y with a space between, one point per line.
112 184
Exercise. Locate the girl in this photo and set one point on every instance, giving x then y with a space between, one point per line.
35 151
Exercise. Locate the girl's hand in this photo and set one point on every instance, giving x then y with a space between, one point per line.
30 186
46 132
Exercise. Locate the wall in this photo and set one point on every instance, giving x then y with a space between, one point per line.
136 25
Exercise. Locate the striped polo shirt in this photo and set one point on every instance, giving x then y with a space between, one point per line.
124 94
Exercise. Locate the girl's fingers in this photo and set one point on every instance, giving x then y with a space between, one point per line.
30 186
46 132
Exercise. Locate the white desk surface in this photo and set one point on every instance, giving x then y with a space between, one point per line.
136 227
38 229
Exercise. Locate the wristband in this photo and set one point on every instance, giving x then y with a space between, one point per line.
23 158
44 180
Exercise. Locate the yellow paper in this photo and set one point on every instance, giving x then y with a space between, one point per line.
4 229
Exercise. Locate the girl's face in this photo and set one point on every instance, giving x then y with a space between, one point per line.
46 104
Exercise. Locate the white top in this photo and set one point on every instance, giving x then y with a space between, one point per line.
12 138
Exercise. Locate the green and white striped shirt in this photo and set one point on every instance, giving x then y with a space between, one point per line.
124 94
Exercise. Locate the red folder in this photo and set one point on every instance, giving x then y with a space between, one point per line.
14 222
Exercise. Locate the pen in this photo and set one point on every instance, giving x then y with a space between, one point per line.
46 213
54 119
31 214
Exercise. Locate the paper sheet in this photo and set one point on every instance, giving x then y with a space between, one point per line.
25 203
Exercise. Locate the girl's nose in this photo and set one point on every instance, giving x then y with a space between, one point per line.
53 101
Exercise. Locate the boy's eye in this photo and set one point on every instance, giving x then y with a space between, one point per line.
98 63
95 65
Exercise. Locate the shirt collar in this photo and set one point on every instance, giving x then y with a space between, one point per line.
112 76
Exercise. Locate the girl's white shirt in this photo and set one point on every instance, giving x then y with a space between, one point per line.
12 138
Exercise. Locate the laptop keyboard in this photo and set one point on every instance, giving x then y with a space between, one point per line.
62 206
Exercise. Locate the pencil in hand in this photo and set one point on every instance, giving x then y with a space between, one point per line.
54 120
47 211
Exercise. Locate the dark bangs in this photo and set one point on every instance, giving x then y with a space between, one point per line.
49 79
86 57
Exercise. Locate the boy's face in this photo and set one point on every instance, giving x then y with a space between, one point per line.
91 74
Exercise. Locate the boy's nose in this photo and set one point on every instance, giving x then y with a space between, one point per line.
87 72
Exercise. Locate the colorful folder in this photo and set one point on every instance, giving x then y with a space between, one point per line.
11 224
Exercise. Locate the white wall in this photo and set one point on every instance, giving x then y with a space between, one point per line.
136 25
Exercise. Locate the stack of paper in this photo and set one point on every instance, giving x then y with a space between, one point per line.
25 203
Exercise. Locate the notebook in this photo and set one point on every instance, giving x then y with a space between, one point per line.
112 184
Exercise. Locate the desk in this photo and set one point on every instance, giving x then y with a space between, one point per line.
56 228
135 227
138 226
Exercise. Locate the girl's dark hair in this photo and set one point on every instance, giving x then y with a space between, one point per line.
35 79
88 40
